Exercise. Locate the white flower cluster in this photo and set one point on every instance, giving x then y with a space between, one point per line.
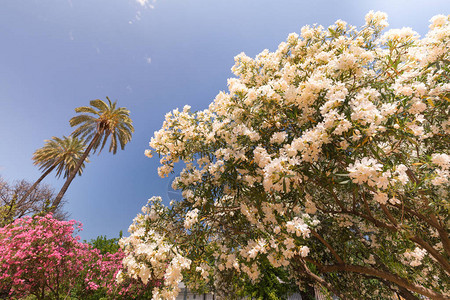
414 258
204 270
149 257
442 173
366 170
191 218
298 227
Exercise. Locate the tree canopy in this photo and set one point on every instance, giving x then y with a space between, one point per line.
14 204
60 153
328 157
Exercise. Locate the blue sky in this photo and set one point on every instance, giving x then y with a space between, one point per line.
150 56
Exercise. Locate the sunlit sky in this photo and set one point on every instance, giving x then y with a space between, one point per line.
150 56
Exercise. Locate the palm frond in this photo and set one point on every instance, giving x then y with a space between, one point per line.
85 109
77 120
61 153
106 119
85 131
113 145
100 105
105 139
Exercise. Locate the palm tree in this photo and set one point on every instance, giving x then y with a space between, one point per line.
62 154
103 120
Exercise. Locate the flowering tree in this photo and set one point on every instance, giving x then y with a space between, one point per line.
152 259
38 256
41 257
328 157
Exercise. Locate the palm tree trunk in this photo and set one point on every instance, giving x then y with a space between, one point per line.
73 173
36 183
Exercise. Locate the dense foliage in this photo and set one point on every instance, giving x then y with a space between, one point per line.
41 257
328 157
106 245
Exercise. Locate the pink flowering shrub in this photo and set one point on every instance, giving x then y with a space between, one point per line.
40 256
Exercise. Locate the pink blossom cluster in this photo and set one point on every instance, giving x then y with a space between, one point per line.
40 256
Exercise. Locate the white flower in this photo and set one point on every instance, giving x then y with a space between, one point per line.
364 171
278 137
148 153
401 174
383 180
303 251
262 158
437 21
378 19
298 227
441 159
404 34
310 207
388 109
289 242
417 130
381 197
144 273
415 257
394 200
441 177
119 277
191 218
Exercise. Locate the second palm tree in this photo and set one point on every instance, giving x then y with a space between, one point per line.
61 154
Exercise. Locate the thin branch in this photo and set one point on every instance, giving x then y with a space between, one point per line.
414 179
337 199
320 238
442 261
366 205
379 274
389 215
432 222
418 215
320 280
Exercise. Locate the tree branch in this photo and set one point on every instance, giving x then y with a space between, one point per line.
442 261
388 215
320 238
319 280
379 274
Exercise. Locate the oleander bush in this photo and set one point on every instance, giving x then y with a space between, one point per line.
328 158
41 257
